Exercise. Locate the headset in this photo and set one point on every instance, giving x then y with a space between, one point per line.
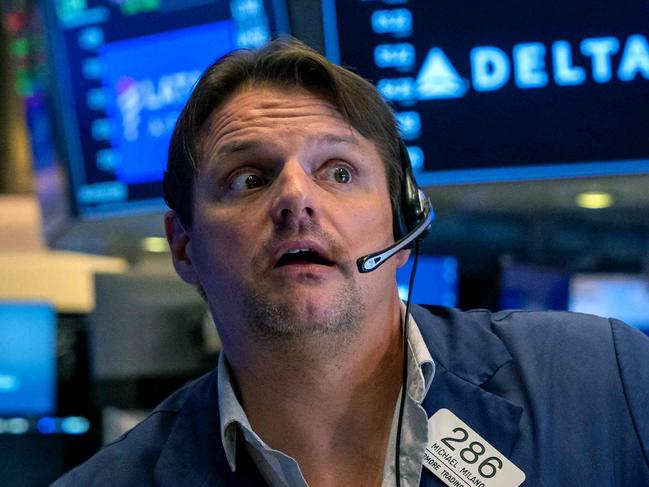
410 224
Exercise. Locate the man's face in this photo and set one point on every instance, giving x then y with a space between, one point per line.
287 198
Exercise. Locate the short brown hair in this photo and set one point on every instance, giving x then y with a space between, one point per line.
285 63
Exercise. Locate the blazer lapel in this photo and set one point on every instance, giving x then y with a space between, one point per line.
191 451
467 355
193 454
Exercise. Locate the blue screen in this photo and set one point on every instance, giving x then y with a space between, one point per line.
435 280
121 72
621 296
27 359
508 90
147 95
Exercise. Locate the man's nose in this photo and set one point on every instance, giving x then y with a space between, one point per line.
293 195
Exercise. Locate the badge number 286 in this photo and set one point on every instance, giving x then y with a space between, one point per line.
472 453
460 457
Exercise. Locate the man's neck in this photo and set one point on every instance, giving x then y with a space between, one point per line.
331 412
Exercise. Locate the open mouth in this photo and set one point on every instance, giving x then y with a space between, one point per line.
302 256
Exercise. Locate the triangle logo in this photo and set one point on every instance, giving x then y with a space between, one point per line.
439 79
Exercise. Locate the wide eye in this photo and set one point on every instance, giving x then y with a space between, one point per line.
246 180
340 174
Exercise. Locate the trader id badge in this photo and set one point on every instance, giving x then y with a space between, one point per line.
460 457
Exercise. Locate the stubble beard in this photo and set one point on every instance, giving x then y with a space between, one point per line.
292 326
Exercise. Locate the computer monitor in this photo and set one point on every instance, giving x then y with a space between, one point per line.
27 359
622 296
507 90
120 73
145 326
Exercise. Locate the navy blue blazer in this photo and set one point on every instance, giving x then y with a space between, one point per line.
564 396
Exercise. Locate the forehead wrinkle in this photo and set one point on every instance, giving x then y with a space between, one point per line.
252 106
298 99
274 113
246 144
248 110
214 148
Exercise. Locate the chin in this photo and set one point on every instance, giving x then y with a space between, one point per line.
300 315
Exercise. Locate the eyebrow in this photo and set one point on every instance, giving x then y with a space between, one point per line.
239 146
334 139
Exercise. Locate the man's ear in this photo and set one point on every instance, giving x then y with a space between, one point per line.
180 246
402 257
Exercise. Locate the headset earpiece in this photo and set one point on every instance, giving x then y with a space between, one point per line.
413 200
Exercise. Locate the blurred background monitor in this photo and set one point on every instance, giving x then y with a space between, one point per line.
147 338
146 326
120 72
531 287
28 375
509 90
46 425
436 280
622 296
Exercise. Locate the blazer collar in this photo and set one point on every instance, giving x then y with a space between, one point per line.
193 454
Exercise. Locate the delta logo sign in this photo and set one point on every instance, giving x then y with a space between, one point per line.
491 68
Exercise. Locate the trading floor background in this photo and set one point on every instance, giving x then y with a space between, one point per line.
525 122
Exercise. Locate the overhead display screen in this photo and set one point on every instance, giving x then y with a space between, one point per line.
123 70
508 90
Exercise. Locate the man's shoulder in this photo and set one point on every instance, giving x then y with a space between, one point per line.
583 336
600 347
559 329
131 459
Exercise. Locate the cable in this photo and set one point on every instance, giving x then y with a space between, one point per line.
404 384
